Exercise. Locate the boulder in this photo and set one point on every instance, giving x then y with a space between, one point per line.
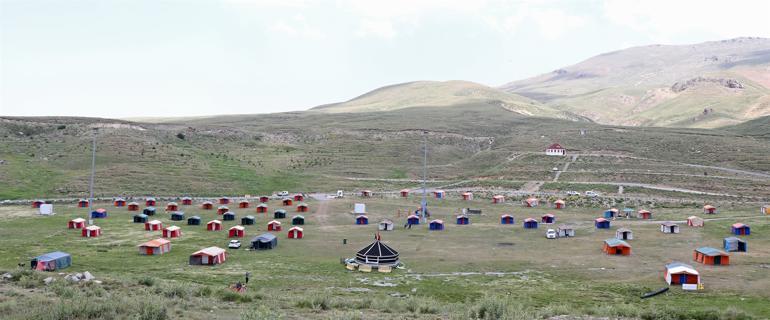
48 280
87 276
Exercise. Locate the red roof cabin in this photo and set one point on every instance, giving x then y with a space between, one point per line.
153 225
243 204
366 193
172 232
261 208
296 232
506 219
531 202
299 197
119 202
498 199
404 193
711 256
645 214
77 223
559 204
555 150
224 200
236 232
208 256
709 209
274 226
439 194
222 209
548 218
37 203
172 206
82 203
91 232
214 225
133 206
302 207
467 196
287 202
149 202
207 205
695 221
678 273
155 247
616 247
264 199
186 201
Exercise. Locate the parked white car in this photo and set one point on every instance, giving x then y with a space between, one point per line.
283 194
573 193
592 194
234 244
550 234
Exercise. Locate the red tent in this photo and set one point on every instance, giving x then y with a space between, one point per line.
302 207
645 214
236 232
37 203
274 226
186 201
243 204
207 205
261 208
133 206
287 202
155 247
172 206
404 193
616 247
709 209
214 225
91 231
548 218
498 199
559 204
77 223
264 199
222 209
224 200
366 193
467 196
172 232
531 202
119 202
208 256
299 197
82 203
707 255
153 225
149 202
296 233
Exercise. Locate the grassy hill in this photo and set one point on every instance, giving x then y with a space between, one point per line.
469 146
709 84
441 94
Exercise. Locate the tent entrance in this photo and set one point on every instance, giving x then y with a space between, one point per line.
149 251
718 260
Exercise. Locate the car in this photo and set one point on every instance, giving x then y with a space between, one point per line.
234 244
592 194
555 169
550 234
283 193
573 193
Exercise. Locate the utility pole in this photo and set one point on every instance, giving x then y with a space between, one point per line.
424 203
93 172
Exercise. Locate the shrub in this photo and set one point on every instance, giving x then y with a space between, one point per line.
261 313
147 281
29 281
315 302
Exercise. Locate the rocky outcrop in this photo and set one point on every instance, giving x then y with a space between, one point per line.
727 83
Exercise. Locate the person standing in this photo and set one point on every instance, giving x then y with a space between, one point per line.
247 277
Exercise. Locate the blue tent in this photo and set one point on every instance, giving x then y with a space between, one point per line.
610 213
506 219
194 221
228 216
413 219
99 214
149 211
602 223
51 261
734 244
177 216
530 223
140 218
463 220
362 219
436 225
264 241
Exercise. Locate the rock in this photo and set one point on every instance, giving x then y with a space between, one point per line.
414 290
98 281
7 275
48 280
79 276
87 276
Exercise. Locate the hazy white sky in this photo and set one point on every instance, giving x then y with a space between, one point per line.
129 58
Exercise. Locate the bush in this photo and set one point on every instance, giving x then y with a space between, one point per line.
316 302
232 296
29 281
176 291
147 281
204 291
151 311
261 313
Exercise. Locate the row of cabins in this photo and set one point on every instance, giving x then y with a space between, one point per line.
152 202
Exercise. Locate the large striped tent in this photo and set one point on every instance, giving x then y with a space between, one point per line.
377 254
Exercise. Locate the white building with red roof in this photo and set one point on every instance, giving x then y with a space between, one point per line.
555 150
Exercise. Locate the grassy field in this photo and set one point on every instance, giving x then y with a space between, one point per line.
483 270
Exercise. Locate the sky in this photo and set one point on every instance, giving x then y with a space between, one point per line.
168 58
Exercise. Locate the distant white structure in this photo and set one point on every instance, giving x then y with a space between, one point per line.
555 150
46 209
359 208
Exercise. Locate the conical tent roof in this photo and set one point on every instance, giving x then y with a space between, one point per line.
377 254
